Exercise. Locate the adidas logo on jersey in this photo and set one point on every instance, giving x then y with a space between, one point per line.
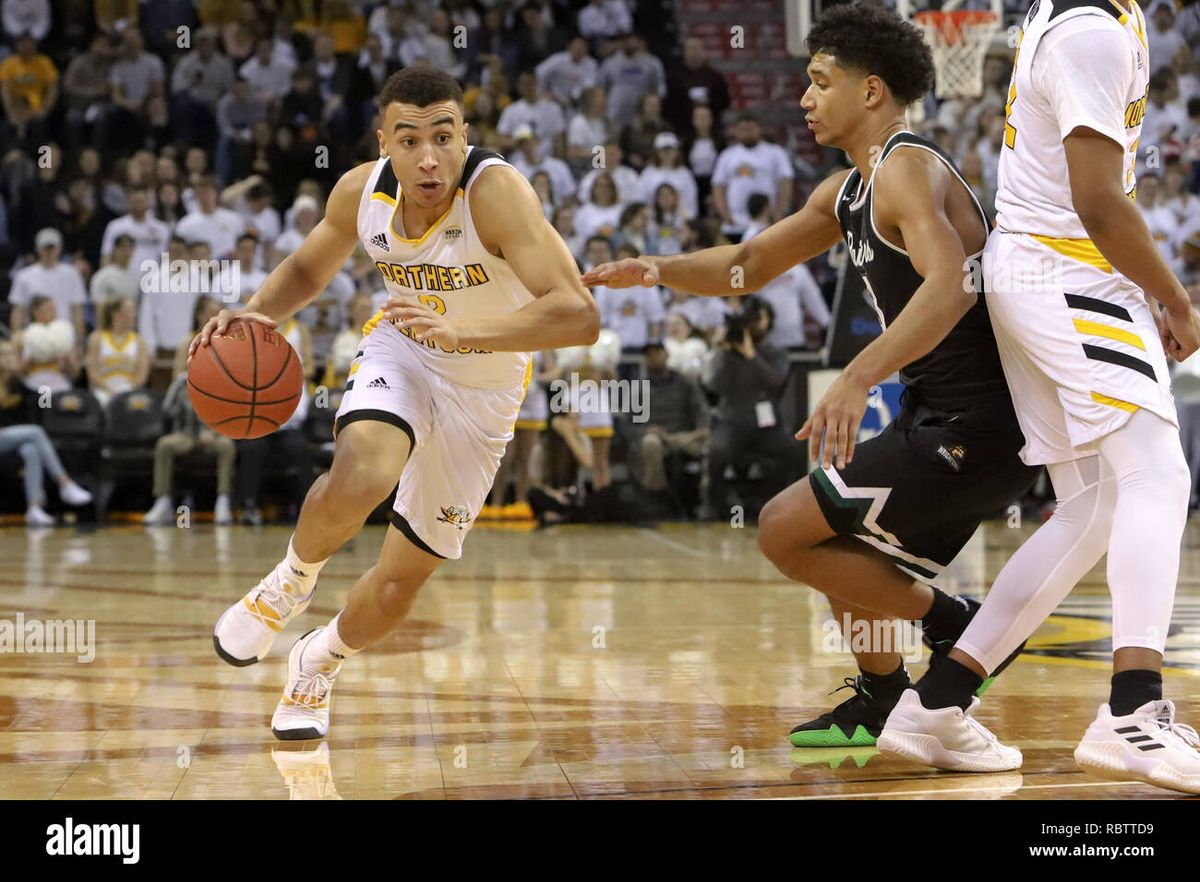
379 383
380 241
453 233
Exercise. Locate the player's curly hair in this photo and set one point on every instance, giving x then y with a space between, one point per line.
422 85
874 40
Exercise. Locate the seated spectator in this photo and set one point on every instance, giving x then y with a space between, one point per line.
587 130
211 223
529 159
50 359
150 234
269 73
611 162
566 74
747 375
667 167
564 225
668 232
117 358
676 421
243 277
544 191
346 343
199 80
639 137
305 214
629 74
706 314
120 279
539 113
20 435
29 85
635 228
188 435
1159 218
635 314
50 279
285 450
138 97
686 348
601 216
237 114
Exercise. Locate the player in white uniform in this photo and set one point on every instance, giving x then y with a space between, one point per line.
477 280
1073 276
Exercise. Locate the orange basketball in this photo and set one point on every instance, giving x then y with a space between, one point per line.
245 383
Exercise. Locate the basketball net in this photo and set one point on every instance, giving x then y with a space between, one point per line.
960 41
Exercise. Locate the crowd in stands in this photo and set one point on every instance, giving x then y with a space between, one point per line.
159 158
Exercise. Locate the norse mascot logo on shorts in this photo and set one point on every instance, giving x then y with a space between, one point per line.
883 401
455 515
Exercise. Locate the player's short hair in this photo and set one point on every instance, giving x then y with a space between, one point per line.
875 40
421 85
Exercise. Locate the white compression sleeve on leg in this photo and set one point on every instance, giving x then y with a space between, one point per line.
1051 562
1153 489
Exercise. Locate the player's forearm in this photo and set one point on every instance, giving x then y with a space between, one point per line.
936 307
1120 233
554 320
713 272
286 291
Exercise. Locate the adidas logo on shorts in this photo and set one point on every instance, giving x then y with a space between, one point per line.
379 383
379 240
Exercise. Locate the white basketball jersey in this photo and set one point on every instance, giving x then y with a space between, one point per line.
1079 63
448 269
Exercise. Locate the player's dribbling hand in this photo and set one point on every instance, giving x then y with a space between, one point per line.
425 322
627 273
1182 333
836 419
216 326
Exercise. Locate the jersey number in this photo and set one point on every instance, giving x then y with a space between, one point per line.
1010 132
436 303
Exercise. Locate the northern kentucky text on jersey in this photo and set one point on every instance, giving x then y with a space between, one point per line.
433 277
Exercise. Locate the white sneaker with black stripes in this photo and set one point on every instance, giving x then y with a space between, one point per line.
1146 745
945 738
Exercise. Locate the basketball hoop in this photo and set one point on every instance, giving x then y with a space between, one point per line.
960 41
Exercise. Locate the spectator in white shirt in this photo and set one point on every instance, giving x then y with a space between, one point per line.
750 166
588 129
564 225
539 112
26 17
305 213
58 282
1183 204
604 20
635 314
120 278
565 75
1163 39
528 159
164 315
1162 223
668 230
1166 112
150 235
601 215
268 73
253 200
629 185
243 275
210 223
667 168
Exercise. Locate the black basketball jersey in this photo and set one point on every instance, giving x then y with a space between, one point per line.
963 366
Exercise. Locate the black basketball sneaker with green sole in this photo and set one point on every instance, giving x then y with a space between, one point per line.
856 722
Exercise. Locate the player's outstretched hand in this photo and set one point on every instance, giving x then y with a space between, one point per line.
627 273
216 326
1184 333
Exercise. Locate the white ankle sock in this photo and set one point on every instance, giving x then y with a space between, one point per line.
304 572
328 646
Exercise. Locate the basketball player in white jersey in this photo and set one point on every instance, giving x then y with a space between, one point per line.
478 279
1073 276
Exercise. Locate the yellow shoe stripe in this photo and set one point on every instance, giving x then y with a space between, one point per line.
1083 250
1096 329
1114 402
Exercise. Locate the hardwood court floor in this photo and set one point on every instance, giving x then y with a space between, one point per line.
574 662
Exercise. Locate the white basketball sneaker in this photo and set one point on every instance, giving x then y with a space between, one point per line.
246 631
946 738
303 711
1147 745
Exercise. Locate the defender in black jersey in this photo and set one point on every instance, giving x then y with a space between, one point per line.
904 503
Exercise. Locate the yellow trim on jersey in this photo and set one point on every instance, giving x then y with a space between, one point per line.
1114 402
1096 329
528 377
437 223
532 425
384 197
599 432
1083 250
372 322
353 370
